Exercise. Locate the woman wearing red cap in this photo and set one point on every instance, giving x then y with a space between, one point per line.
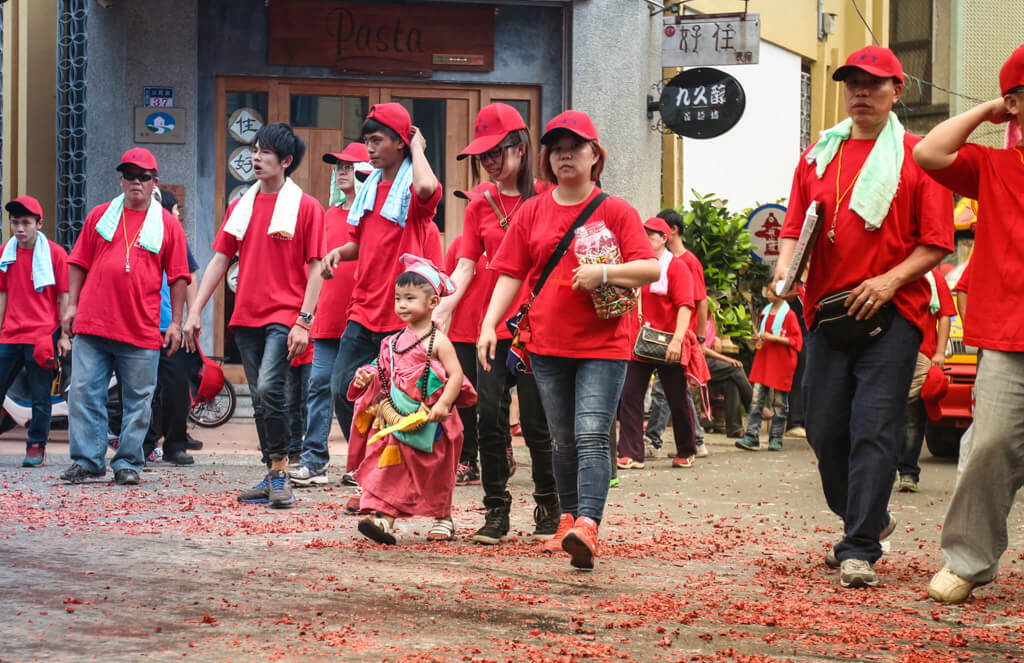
974 533
667 305
579 358
502 147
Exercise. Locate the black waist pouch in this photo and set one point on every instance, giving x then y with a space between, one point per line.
844 332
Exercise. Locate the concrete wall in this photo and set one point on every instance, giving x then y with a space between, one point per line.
753 162
616 58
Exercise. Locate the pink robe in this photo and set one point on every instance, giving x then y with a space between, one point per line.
397 479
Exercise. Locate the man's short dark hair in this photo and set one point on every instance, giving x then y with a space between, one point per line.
673 218
371 125
1016 90
168 199
282 141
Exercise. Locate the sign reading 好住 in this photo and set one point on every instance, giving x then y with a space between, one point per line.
711 39
381 38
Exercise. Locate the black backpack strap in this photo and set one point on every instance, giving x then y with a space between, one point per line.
563 245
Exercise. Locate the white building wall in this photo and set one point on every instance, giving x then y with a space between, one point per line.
753 162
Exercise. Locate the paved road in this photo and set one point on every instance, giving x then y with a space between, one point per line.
720 562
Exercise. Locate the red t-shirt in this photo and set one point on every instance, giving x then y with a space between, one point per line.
563 322
467 316
700 289
31 315
381 243
995 178
775 363
483 235
125 306
332 306
661 311
946 308
965 279
272 270
921 214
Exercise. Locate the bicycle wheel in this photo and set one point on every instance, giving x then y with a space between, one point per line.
217 411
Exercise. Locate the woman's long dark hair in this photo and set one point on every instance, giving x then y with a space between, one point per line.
525 178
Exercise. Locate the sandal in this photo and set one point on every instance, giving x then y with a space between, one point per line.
443 529
378 529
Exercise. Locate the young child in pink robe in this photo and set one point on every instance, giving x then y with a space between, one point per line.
411 473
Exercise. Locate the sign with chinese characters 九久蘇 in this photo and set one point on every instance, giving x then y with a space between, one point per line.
764 225
711 39
702 103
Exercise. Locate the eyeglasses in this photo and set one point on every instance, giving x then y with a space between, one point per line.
132 177
345 167
496 153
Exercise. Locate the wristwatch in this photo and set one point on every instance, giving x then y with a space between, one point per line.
306 317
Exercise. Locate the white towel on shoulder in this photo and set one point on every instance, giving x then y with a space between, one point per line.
286 211
660 287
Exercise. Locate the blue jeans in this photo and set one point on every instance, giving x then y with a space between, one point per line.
913 441
580 399
14 356
779 404
320 405
855 403
296 397
359 346
264 353
93 360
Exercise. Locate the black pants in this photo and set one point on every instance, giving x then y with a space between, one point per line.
171 403
492 389
796 394
732 380
466 352
631 409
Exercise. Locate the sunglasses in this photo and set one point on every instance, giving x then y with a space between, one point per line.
132 177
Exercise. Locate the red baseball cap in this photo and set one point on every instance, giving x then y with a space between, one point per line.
393 116
933 391
138 156
875 60
23 205
469 194
1012 73
576 122
658 225
493 123
211 381
353 153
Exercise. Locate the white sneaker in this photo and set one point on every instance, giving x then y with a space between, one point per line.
702 450
303 476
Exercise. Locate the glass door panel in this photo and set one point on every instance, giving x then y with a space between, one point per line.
327 124
430 116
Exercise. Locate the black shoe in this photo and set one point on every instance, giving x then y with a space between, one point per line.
546 516
192 444
77 474
179 458
126 477
495 529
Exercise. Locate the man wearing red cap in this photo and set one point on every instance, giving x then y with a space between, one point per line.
351 166
884 225
33 295
117 266
392 215
974 534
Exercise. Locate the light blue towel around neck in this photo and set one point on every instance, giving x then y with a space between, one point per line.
780 317
396 205
151 236
42 261
879 179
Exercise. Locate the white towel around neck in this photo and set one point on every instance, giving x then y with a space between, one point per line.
286 211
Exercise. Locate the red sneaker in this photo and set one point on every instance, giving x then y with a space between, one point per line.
554 545
581 543
682 461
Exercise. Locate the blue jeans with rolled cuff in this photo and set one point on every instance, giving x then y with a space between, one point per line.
14 357
580 398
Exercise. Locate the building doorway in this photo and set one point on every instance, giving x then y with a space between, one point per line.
328 114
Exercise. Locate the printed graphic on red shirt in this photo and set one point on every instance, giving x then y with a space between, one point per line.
920 214
125 305
272 269
31 315
563 321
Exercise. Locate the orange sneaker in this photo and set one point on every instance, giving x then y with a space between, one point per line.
581 543
554 545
